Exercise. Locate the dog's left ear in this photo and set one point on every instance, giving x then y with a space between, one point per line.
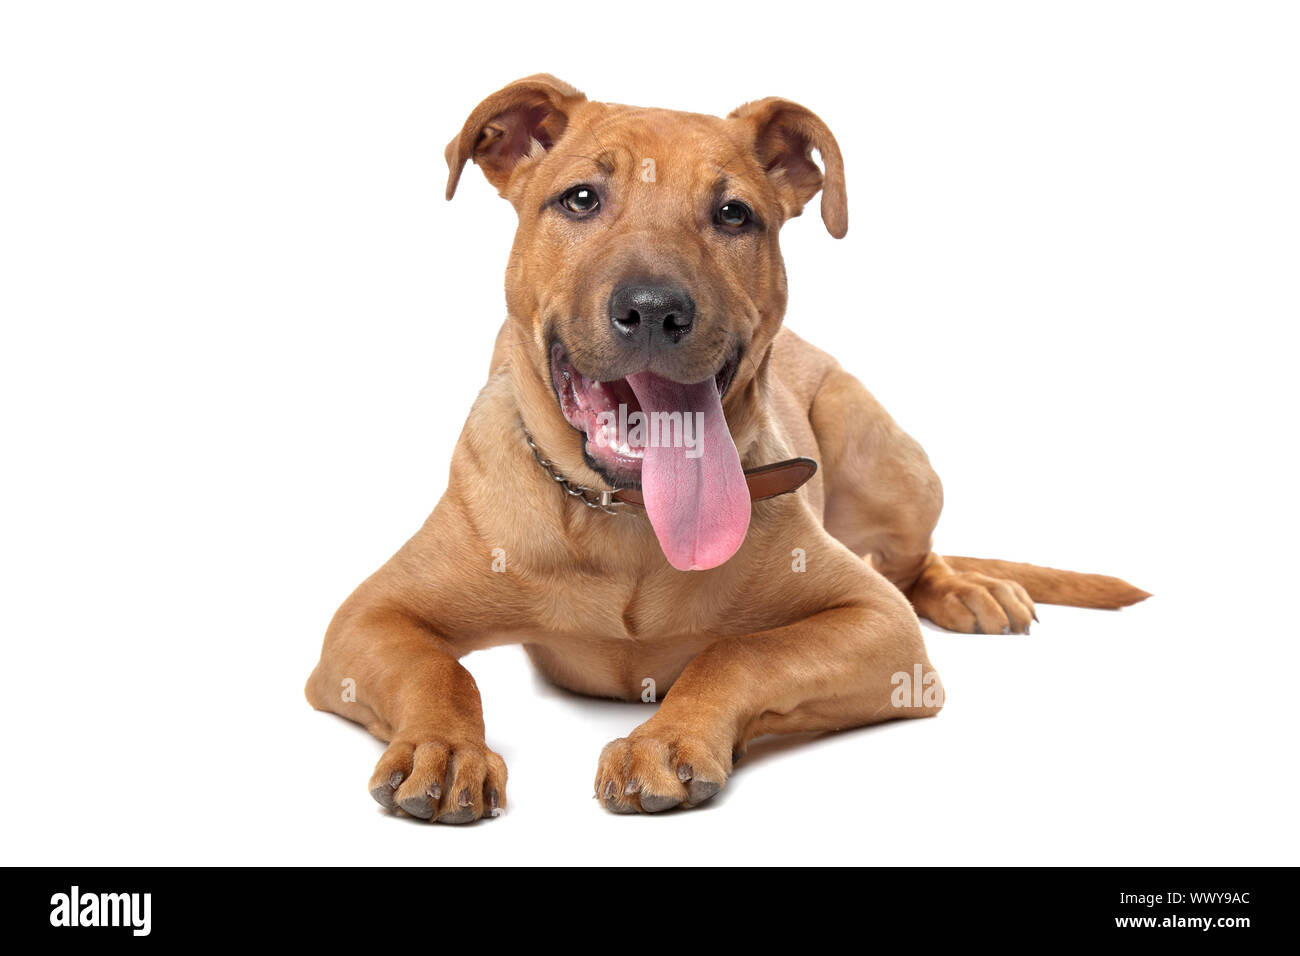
784 135
509 125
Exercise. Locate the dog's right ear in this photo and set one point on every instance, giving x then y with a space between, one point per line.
529 114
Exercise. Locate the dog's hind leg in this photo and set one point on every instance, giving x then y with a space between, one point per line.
882 497
883 501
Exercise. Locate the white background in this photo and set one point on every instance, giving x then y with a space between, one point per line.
242 329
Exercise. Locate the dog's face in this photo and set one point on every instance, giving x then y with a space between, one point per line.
646 263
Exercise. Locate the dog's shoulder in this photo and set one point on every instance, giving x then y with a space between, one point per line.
800 366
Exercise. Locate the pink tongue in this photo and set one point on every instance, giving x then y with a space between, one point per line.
699 506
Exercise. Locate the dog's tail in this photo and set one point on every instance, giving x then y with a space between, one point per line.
1050 586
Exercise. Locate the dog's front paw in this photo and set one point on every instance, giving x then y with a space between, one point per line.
973 603
657 768
440 780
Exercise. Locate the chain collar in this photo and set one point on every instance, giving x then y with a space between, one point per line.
597 499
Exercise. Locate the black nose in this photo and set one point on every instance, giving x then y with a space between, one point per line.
657 311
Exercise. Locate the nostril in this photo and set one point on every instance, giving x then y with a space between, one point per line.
675 326
630 322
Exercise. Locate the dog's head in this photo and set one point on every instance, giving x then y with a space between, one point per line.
647 269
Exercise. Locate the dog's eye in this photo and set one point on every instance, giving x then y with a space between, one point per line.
581 200
734 214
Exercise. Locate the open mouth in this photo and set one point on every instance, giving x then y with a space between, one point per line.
672 439
610 416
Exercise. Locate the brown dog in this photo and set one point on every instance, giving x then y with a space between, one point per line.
646 274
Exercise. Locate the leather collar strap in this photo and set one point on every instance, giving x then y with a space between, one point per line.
765 481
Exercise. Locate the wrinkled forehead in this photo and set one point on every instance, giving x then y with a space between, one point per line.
690 150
